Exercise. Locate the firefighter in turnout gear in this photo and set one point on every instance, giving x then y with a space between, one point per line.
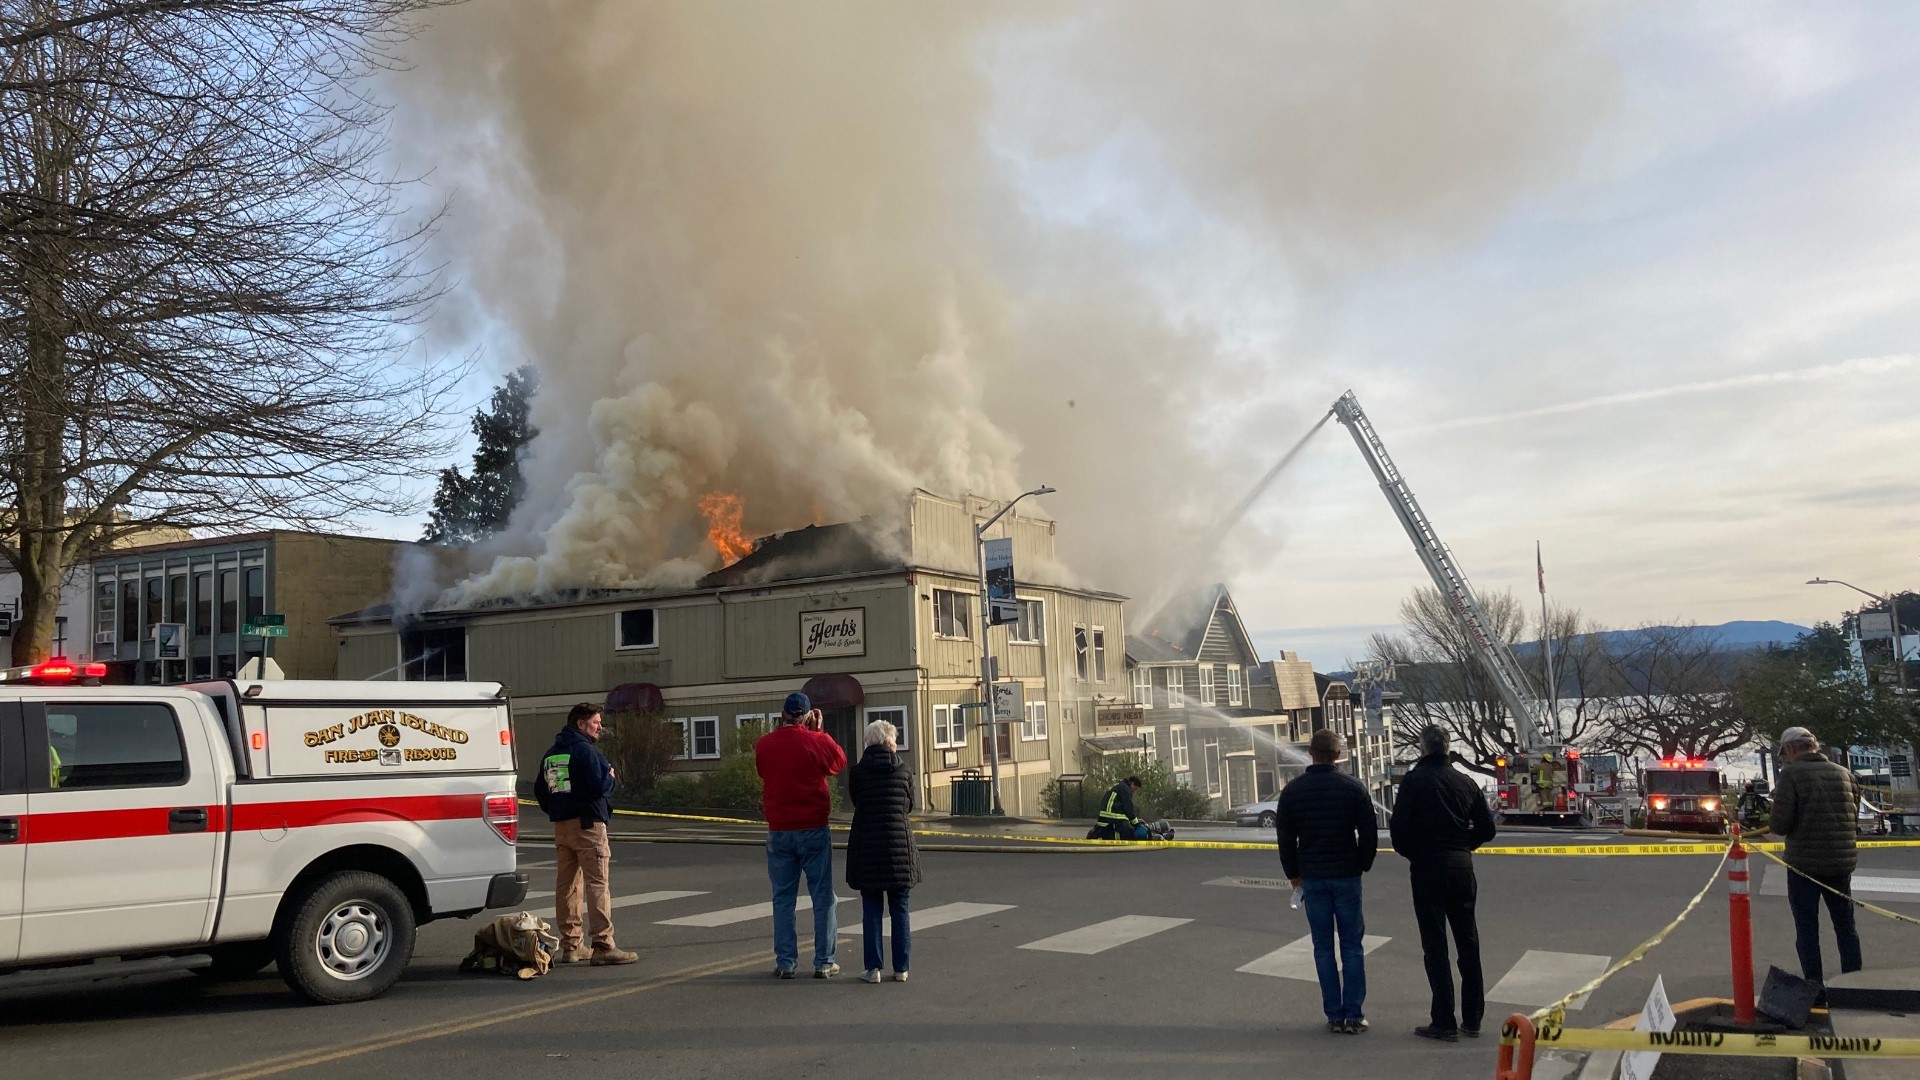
1117 819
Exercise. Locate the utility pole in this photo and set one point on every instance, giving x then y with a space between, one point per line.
986 645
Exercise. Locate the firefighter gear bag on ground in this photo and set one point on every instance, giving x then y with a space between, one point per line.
519 945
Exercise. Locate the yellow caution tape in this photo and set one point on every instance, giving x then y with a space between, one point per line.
1870 907
1556 1013
1718 1042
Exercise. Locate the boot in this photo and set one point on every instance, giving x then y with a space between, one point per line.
612 957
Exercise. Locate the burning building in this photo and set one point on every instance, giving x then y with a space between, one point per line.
873 621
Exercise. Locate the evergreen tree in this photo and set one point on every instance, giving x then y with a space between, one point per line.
468 507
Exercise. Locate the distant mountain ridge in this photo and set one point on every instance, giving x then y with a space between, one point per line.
1738 635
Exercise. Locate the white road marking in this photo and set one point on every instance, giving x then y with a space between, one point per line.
623 901
1102 936
935 916
744 913
1541 977
1892 886
1294 960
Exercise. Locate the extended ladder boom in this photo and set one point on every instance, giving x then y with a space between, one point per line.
1531 723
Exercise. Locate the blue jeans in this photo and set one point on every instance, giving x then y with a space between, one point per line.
788 855
1335 903
1804 899
892 903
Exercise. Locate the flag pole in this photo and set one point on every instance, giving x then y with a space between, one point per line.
1546 641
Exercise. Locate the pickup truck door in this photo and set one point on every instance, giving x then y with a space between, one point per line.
126 825
13 816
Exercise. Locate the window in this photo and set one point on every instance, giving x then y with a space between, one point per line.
949 726
1206 684
636 629
1099 655
130 609
202 604
1152 748
1031 628
952 614
1176 688
256 593
434 655
114 746
681 723
229 601
892 714
1177 736
750 727
706 738
1003 746
1080 658
1211 753
103 594
1143 687
177 599
1236 685
156 605
1034 727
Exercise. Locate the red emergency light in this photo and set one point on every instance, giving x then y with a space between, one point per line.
62 670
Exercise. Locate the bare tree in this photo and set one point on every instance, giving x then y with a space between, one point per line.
1443 682
1673 695
207 282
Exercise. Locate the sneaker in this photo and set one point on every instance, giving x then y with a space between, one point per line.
1355 1027
1439 1034
899 976
827 972
1471 1032
574 956
871 975
1337 1027
782 973
614 957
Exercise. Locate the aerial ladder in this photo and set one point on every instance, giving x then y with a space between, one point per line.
1538 779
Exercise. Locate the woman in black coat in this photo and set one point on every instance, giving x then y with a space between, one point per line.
882 862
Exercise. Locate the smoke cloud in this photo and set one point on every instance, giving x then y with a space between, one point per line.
818 255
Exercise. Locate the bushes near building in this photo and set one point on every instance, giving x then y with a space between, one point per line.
1160 795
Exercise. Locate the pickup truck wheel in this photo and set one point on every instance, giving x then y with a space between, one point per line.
237 961
348 939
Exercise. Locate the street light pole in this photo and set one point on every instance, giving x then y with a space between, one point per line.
986 647
1893 610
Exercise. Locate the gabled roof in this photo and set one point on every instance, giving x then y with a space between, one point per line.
1179 629
1323 683
851 547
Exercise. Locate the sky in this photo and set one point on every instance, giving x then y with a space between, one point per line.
1654 303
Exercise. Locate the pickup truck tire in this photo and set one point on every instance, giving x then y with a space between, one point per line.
346 939
237 961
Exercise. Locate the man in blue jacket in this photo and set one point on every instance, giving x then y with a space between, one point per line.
1328 838
575 787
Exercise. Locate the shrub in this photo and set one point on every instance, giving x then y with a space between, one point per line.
1160 795
641 747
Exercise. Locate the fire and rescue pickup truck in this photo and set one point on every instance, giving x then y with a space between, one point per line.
222 826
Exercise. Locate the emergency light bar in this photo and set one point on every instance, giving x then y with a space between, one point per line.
54 671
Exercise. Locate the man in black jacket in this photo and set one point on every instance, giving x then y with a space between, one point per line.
575 787
1327 840
1439 818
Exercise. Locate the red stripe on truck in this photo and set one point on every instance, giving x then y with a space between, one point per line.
249 817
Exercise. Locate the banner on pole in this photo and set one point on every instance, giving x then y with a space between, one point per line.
1001 606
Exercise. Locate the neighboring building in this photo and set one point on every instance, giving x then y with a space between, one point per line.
72 623
1370 745
211 589
872 624
1193 705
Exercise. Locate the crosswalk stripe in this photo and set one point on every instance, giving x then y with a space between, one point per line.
935 916
744 913
1541 977
660 896
1294 960
1893 886
1102 936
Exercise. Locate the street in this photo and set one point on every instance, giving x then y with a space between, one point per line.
1119 963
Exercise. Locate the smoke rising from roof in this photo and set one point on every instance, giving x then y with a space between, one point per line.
818 255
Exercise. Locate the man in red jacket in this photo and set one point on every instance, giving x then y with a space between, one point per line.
794 762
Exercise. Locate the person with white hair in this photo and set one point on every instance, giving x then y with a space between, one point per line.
1814 811
883 863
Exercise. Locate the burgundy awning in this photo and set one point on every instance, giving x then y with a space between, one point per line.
635 697
834 692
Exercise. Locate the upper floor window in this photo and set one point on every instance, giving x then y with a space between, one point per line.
1176 688
438 655
1099 655
637 628
1081 657
1143 687
1034 725
1206 684
952 614
1236 685
1031 629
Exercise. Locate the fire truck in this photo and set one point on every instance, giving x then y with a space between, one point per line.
1539 780
219 827
1684 795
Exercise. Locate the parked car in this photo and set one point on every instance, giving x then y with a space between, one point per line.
1260 813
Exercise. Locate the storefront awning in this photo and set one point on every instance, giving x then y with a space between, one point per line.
635 697
834 692
1113 744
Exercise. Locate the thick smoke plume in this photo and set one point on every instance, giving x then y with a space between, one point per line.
819 254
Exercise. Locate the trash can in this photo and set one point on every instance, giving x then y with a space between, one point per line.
971 795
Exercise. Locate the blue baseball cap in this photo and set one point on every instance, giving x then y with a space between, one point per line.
798 704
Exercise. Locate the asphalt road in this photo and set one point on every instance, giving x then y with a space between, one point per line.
983 1003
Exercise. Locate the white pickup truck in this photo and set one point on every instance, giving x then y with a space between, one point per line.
219 827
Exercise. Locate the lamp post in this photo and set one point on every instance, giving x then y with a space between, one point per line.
986 648
1893 610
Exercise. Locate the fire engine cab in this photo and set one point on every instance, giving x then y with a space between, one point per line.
218 827
1684 795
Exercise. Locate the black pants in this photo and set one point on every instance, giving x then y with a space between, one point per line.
1443 896
1803 897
